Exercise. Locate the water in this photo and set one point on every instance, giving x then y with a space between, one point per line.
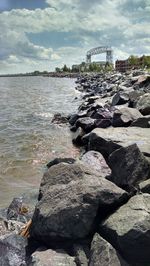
28 139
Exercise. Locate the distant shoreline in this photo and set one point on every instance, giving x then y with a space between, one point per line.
51 74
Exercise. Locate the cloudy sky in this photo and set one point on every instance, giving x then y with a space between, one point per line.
43 34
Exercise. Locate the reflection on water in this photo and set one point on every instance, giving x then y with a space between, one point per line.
28 140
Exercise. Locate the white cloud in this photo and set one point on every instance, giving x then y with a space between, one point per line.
122 24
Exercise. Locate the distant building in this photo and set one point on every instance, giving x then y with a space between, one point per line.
125 65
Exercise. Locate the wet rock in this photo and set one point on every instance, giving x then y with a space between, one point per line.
59 119
49 257
143 104
129 166
143 121
86 123
70 197
73 118
145 186
12 250
124 116
128 229
21 208
96 161
120 98
60 160
109 139
103 253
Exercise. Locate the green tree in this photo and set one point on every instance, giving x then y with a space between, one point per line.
66 69
133 60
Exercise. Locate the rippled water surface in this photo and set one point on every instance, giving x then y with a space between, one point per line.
28 140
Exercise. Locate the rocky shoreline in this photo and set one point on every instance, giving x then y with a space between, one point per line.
95 210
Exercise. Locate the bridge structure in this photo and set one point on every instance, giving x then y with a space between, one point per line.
100 50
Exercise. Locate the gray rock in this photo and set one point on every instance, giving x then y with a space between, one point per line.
96 161
86 123
145 186
143 80
109 139
60 160
49 257
134 96
124 116
21 208
81 254
77 136
128 229
103 253
129 166
70 197
59 119
12 250
103 123
143 121
143 104
120 98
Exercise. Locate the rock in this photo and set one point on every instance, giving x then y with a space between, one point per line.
49 257
86 123
59 119
3 227
124 116
103 123
109 139
143 80
143 104
96 161
143 121
120 98
145 186
21 208
77 137
129 166
73 118
80 253
70 197
60 160
128 229
102 113
12 250
134 96
103 253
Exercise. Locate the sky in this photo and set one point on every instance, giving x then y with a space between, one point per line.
44 34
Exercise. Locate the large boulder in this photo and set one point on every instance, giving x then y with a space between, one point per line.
124 116
86 123
49 257
128 229
71 197
109 139
120 98
96 161
143 121
12 250
143 104
103 253
129 166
